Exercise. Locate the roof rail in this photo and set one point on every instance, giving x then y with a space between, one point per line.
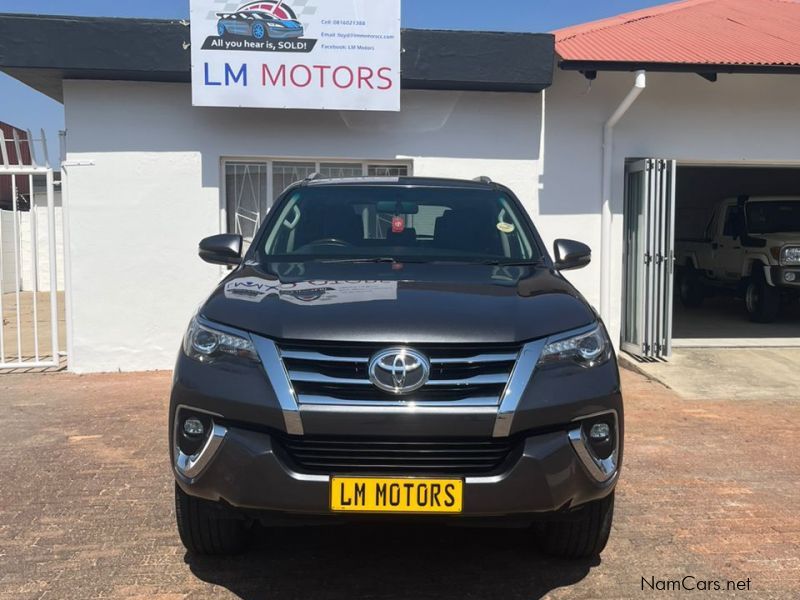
314 176
483 179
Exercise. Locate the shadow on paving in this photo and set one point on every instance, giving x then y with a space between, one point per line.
391 562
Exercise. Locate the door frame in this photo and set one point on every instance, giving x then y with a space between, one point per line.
655 248
761 342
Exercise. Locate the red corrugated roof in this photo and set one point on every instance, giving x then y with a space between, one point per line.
716 32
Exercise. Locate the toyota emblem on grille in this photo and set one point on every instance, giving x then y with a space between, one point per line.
399 370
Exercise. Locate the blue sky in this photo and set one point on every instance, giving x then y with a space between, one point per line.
25 108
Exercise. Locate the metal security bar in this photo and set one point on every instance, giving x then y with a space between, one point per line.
649 258
252 185
29 283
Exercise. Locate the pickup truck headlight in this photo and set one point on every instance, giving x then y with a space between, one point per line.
207 343
791 256
588 349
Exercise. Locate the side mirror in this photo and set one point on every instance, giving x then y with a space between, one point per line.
570 254
225 249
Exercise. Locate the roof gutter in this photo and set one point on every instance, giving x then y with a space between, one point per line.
639 85
595 66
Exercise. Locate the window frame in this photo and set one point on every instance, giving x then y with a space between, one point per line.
731 219
269 161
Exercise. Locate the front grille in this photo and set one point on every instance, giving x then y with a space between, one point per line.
322 372
446 457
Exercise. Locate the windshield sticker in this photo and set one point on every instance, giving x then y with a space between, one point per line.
310 293
506 227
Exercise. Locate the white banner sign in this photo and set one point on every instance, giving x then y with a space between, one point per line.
312 54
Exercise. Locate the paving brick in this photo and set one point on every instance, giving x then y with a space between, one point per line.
709 489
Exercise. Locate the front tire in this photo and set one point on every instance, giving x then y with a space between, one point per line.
762 300
205 530
581 535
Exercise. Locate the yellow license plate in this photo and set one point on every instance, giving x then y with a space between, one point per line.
396 495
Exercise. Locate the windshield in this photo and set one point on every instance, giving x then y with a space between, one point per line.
774 216
397 223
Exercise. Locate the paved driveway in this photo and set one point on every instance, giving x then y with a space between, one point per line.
730 373
709 490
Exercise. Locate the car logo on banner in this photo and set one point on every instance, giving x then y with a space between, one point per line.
307 54
399 370
259 26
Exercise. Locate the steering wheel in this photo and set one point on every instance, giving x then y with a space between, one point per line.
331 242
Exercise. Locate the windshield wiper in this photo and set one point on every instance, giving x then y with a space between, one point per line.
397 261
511 263
370 259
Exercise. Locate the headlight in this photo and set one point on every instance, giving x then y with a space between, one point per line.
587 349
205 343
790 256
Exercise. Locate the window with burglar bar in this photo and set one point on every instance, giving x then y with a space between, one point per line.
251 187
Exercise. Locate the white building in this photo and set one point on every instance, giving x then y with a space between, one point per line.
149 175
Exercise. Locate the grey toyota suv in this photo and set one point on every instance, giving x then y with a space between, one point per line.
397 348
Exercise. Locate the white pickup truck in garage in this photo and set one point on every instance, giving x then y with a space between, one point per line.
751 248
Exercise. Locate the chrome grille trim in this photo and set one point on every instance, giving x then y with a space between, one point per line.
434 409
520 377
477 401
309 377
497 379
326 374
279 379
504 406
471 360
320 357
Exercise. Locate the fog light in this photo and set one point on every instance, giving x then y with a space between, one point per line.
596 442
193 427
790 277
600 438
600 432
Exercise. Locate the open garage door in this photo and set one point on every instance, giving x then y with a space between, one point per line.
734 224
649 257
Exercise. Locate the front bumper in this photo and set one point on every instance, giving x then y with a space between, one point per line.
785 277
254 407
246 470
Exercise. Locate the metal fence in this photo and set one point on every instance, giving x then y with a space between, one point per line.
31 286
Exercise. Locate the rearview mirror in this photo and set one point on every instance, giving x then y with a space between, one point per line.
225 249
390 207
570 254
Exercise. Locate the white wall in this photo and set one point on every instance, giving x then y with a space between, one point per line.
137 214
25 253
7 256
153 192
42 255
752 118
